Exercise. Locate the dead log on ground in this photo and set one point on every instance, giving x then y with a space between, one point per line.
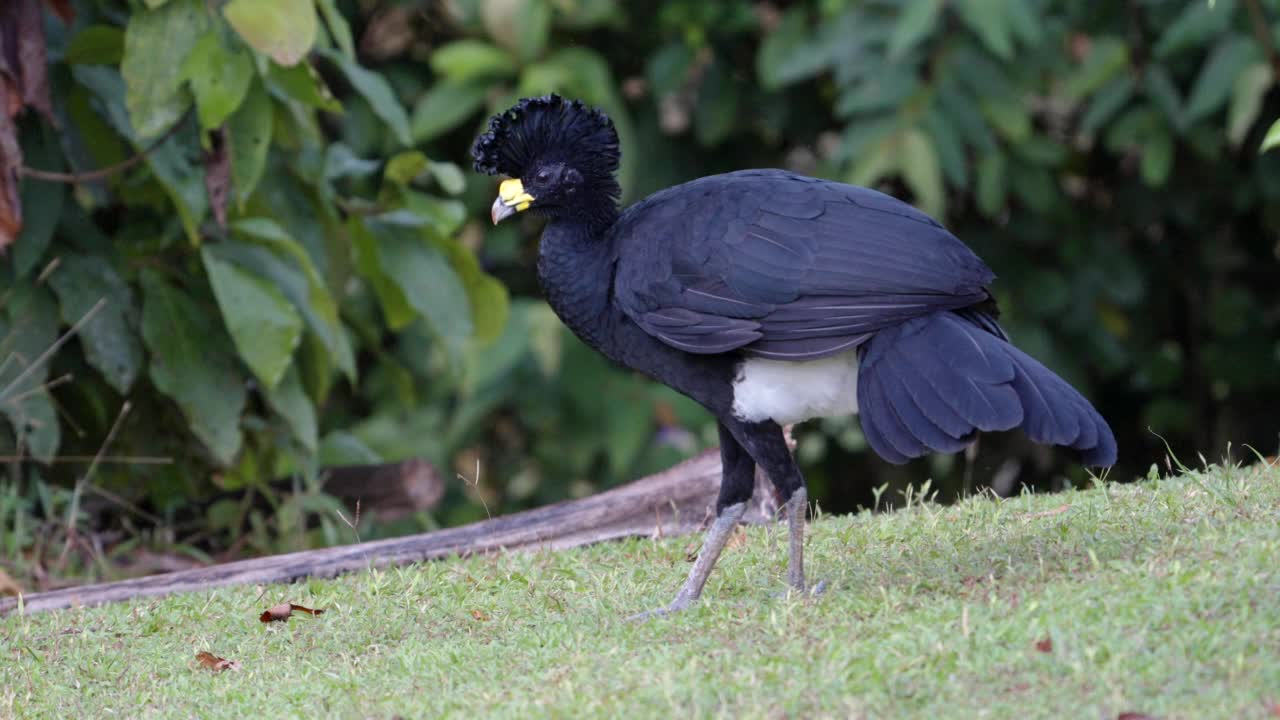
673 502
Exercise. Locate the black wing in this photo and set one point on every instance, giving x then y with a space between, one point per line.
784 266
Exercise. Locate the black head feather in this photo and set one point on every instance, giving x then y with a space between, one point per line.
548 129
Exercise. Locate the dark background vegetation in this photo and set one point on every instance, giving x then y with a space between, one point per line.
301 273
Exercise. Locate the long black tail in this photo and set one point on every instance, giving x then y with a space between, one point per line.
930 384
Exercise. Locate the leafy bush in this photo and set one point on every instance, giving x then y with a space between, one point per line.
298 271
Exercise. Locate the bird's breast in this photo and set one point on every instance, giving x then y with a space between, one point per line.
791 391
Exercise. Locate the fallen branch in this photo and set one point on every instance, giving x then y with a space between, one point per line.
677 501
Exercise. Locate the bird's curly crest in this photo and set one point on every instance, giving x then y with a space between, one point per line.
543 129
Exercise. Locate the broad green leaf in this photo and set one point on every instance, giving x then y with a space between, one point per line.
991 183
156 43
668 68
191 362
532 29
249 132
264 326
338 28
42 202
1108 56
1218 75
396 309
1157 158
96 45
1272 138
922 172
284 30
989 20
951 155
30 320
1196 25
490 303
343 448
219 79
110 339
465 60
404 167
1009 117
448 176
303 84
182 179
789 54
430 285
280 259
1159 87
378 92
916 22
875 161
444 107
1106 103
716 113
884 90
1246 100
341 162
289 401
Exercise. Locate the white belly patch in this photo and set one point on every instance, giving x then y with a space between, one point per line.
789 392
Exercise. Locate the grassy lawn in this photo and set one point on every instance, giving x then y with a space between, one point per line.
1161 598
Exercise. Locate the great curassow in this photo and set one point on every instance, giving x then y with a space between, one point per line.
770 298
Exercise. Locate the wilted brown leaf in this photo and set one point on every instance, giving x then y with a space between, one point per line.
217 174
1131 715
10 161
9 586
479 615
24 56
282 612
1045 644
215 663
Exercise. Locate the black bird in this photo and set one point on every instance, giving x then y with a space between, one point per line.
770 298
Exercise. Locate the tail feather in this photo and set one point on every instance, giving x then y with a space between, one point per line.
930 384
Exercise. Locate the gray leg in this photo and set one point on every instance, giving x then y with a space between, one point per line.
717 536
796 508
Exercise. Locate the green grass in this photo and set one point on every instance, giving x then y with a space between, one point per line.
1161 597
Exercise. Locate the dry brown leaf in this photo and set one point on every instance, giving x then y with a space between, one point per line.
215 663
479 615
1045 644
9 586
282 612
217 174
32 70
1131 715
1047 513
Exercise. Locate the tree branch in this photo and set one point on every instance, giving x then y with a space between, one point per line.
100 173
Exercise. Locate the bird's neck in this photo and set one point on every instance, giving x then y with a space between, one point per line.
575 265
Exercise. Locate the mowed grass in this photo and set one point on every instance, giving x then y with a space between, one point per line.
1161 597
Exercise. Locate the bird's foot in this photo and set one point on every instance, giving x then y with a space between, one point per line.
680 603
803 591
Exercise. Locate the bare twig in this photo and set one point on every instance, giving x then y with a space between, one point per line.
57 345
100 173
74 508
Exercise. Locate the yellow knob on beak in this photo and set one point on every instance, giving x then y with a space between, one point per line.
511 199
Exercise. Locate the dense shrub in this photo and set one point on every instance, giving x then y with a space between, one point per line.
299 272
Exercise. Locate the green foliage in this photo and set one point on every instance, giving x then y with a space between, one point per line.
357 307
